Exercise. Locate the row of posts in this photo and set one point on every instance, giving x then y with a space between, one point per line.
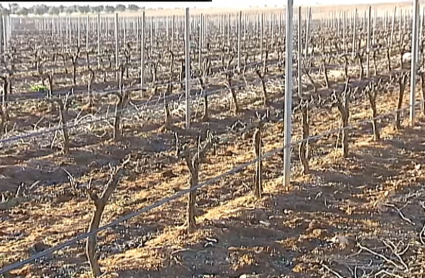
342 20
140 24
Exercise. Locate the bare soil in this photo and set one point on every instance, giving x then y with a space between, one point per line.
348 216
374 195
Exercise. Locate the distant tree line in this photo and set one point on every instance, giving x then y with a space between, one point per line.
14 8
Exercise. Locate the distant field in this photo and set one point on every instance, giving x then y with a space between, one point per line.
324 8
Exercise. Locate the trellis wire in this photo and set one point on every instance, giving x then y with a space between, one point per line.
126 89
106 116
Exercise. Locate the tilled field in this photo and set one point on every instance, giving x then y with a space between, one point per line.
352 215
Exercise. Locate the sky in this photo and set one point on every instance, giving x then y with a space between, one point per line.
213 4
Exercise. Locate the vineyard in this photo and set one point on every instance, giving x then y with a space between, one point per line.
153 146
